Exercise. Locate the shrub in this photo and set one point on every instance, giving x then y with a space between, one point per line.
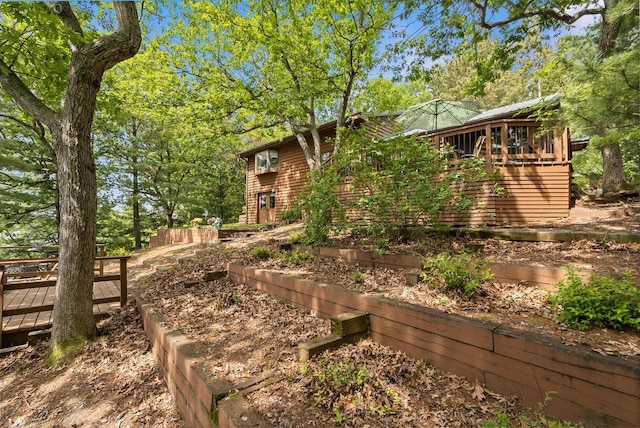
382 246
261 252
460 273
294 257
358 277
296 238
323 211
291 215
600 302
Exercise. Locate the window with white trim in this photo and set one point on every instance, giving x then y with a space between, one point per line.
267 161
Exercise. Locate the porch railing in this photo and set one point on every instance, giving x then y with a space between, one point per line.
42 273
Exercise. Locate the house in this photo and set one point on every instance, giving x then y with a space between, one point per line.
277 172
534 167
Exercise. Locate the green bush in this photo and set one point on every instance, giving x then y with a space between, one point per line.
358 277
294 257
600 302
460 273
261 252
296 238
323 211
292 215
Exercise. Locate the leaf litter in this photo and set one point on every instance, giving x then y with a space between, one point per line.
114 381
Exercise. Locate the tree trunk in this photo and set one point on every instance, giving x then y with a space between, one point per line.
73 307
76 173
613 178
168 215
137 229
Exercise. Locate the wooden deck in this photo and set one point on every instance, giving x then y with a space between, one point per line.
27 294
16 301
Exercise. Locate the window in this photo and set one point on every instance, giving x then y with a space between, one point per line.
263 202
324 157
517 140
496 141
272 200
266 161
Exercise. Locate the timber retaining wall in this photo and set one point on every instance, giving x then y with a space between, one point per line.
203 402
585 386
183 236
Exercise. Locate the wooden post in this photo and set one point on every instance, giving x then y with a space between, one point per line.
488 148
123 281
2 281
558 143
101 254
504 135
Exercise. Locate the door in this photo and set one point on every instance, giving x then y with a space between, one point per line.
267 207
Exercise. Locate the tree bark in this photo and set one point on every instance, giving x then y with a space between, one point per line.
73 307
76 174
613 178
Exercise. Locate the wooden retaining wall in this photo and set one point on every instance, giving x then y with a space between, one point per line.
183 236
544 277
586 386
198 398
538 276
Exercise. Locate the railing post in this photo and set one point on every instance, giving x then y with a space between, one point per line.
123 282
101 254
2 281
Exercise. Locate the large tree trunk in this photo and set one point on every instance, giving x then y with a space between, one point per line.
613 178
76 176
73 308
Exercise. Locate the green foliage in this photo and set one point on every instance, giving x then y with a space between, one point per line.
382 246
296 238
459 273
294 257
400 183
600 302
630 147
323 211
458 78
533 420
587 166
292 214
600 99
358 277
379 95
261 252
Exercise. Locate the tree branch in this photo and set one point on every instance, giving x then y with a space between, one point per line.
17 90
559 15
124 42
63 10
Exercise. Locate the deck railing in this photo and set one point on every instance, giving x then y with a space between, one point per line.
52 251
42 273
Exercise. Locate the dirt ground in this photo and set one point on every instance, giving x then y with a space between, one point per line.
114 381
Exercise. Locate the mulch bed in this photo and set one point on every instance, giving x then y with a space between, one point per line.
245 333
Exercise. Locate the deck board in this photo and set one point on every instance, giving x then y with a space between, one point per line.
18 299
